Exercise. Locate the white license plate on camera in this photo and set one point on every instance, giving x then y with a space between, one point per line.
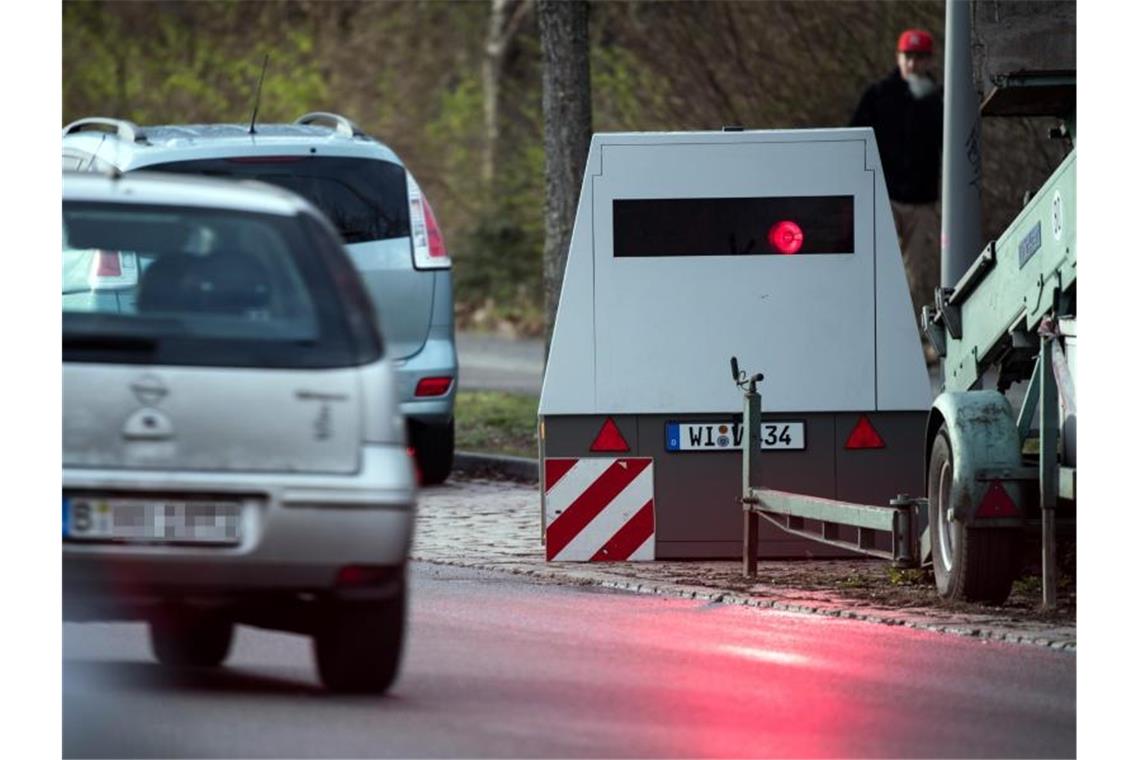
729 436
152 520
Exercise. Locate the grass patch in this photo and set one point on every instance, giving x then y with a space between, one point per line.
910 577
493 422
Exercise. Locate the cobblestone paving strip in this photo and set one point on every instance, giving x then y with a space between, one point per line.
495 525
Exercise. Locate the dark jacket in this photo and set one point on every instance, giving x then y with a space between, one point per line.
909 134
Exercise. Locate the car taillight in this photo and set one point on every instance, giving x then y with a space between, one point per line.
436 248
108 264
433 386
365 575
428 249
113 270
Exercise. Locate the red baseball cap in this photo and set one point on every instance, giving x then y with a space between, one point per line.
916 41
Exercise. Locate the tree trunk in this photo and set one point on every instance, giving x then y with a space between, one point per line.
567 126
492 74
502 27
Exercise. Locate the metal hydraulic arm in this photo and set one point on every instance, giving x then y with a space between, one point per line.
991 317
1012 312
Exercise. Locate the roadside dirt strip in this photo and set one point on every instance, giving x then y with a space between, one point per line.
496 525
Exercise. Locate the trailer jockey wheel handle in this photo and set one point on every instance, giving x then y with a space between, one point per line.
741 378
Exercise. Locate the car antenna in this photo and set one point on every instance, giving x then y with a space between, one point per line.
257 97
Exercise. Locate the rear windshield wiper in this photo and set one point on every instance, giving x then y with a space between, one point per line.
97 342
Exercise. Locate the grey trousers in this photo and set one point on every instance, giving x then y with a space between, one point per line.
919 228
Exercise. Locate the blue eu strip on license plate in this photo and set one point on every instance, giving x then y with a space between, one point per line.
65 511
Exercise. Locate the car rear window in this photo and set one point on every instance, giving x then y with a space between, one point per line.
366 199
198 286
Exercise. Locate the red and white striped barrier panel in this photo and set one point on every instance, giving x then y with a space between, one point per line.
599 509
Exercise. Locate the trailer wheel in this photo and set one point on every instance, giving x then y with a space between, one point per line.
972 564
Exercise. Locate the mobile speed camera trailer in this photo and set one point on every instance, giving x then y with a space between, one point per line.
1011 316
777 246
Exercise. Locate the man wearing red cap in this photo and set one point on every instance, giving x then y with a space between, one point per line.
905 110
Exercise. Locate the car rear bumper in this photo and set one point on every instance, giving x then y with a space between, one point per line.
437 358
298 532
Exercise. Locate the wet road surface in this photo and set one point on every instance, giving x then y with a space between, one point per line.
497 667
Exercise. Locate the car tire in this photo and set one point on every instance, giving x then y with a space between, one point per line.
187 638
971 564
358 645
435 451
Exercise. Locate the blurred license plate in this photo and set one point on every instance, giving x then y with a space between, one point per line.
151 520
726 436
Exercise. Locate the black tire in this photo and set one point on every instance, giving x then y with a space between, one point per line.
358 645
970 564
187 638
435 451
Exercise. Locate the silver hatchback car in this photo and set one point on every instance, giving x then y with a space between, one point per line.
377 207
233 449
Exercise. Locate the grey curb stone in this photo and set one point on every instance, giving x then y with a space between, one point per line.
881 617
526 470
514 468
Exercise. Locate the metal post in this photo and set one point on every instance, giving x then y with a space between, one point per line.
1029 403
903 546
961 151
1047 407
751 536
751 468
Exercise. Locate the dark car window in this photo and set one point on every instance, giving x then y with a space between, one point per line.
366 199
198 286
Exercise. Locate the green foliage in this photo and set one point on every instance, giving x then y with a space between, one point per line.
494 422
857 580
626 92
180 62
910 577
410 72
454 131
1027 585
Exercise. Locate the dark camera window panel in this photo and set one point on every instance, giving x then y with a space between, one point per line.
734 226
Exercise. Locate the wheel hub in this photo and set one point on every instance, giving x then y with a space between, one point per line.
946 528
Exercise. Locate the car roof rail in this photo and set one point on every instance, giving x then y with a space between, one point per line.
343 125
123 129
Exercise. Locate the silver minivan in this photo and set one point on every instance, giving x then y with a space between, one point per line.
377 207
233 449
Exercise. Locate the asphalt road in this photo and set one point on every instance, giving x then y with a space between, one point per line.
497 667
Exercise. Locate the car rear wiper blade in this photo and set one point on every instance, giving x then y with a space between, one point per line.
97 342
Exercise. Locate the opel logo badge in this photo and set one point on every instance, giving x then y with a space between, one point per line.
149 390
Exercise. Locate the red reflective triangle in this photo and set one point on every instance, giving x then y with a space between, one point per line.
996 503
609 438
864 436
